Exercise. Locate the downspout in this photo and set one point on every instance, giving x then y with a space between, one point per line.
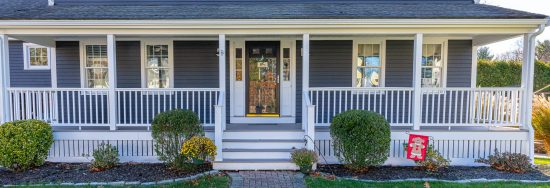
531 58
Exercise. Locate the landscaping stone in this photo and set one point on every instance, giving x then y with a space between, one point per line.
272 179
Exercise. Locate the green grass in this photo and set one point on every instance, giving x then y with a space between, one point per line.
203 182
314 182
542 161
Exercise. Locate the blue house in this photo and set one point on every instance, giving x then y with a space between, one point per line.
264 76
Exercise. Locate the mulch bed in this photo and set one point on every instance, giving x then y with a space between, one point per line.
451 173
80 173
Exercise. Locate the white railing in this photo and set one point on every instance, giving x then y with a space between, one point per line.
471 106
139 106
219 125
393 103
309 122
63 107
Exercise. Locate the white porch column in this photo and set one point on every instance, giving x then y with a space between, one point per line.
305 77
417 81
111 59
473 81
4 77
219 123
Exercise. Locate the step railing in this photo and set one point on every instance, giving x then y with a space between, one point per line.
309 122
220 125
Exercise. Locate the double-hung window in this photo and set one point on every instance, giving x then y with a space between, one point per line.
95 66
158 65
433 65
369 65
36 57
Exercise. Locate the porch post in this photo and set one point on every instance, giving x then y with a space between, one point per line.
219 123
527 84
4 77
417 81
111 59
305 77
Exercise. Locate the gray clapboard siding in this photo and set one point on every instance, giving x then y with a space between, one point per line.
331 63
68 64
299 94
196 64
179 2
128 64
19 77
459 63
399 63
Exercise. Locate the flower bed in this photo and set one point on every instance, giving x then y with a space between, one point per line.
451 173
80 173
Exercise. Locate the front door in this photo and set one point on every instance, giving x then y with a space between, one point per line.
262 81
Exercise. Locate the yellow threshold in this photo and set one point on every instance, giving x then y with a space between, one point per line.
263 115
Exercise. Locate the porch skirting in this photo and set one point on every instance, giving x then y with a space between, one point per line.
461 147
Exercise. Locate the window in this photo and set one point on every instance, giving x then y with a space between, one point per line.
36 57
369 66
158 66
96 66
432 65
286 64
239 64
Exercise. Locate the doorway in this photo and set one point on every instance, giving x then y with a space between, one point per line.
262 80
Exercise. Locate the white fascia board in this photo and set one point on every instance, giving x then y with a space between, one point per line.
221 23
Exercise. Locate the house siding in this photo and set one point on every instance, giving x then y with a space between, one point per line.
196 64
399 63
68 64
128 64
19 77
459 63
180 2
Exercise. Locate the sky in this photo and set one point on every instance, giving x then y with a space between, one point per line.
535 6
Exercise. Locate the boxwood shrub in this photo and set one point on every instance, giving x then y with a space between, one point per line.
362 139
24 144
169 131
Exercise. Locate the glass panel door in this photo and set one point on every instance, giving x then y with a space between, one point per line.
263 79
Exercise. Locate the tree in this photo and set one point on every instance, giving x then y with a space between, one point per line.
484 53
543 51
515 54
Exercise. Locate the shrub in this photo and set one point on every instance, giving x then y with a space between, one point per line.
362 138
433 162
541 120
24 144
105 157
199 149
505 74
510 162
169 130
304 159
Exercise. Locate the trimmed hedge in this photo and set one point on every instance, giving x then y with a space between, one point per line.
362 138
505 74
24 144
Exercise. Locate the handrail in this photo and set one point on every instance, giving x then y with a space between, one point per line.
167 89
359 88
306 98
221 99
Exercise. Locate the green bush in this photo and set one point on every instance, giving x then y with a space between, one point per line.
506 74
105 157
510 162
433 162
541 120
304 159
169 131
24 144
362 138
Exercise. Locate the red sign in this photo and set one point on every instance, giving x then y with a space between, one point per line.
416 149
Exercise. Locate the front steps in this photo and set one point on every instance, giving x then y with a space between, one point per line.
260 147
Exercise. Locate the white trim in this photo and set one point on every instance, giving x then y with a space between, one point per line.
53 67
112 74
4 78
143 53
83 44
26 57
444 55
417 81
264 22
473 83
369 40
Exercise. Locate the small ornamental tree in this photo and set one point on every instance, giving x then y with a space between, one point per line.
169 130
24 144
361 138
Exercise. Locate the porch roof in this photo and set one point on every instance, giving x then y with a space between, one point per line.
38 10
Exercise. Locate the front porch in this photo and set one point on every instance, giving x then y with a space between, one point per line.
208 75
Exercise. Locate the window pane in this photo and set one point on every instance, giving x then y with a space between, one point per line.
97 77
38 56
373 61
368 77
157 56
360 61
157 78
96 66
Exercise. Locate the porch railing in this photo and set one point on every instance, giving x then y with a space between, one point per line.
90 107
471 106
393 103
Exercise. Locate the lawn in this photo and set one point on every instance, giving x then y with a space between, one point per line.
320 182
542 161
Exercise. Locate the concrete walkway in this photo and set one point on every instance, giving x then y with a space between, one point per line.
267 179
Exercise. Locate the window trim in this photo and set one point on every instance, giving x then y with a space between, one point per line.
27 61
143 54
367 40
83 44
444 57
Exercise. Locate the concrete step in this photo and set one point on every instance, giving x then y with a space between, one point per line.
256 154
255 164
263 143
